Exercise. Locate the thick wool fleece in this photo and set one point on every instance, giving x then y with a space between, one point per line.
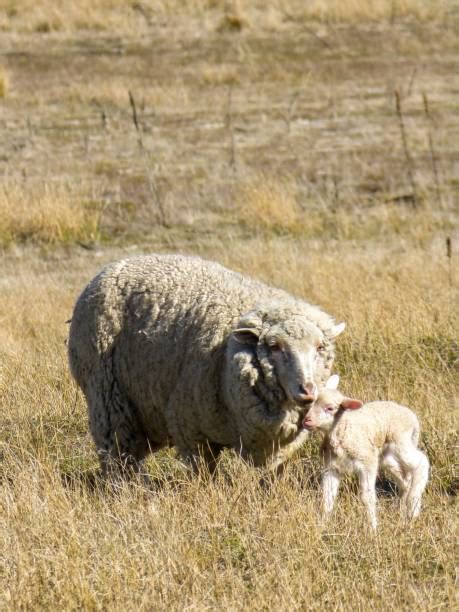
150 345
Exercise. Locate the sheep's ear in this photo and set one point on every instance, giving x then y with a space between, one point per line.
337 329
332 383
349 403
246 335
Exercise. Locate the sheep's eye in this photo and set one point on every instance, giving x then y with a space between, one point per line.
276 348
321 348
330 409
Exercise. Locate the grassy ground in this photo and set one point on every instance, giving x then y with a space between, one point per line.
271 140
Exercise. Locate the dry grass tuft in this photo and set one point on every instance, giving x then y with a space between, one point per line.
4 82
47 213
265 203
233 18
113 92
220 75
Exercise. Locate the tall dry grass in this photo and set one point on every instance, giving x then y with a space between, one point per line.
265 203
47 213
268 204
226 543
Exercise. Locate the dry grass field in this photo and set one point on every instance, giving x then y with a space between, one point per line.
312 145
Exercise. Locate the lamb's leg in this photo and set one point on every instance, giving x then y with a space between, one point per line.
121 444
330 485
392 466
417 464
367 478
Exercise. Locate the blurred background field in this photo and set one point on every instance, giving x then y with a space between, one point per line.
312 145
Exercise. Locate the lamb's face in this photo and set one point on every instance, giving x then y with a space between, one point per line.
321 415
294 352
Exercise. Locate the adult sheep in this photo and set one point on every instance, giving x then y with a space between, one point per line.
176 350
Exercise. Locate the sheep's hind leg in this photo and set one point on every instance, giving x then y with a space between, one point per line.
121 444
122 455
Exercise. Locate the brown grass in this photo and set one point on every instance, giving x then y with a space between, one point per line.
121 16
299 178
268 204
46 213
112 93
354 10
227 543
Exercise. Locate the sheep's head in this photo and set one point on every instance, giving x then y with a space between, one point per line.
293 352
322 414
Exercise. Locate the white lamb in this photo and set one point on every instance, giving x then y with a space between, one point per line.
364 438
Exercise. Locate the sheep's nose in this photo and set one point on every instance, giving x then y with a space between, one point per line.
309 388
306 394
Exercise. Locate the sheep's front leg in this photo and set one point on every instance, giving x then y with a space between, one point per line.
202 459
330 486
367 478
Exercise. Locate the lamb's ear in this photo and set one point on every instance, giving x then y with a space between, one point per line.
246 335
349 403
337 329
332 383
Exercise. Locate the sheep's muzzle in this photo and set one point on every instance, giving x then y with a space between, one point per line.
304 399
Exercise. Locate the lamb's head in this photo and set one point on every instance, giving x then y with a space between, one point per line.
324 411
293 352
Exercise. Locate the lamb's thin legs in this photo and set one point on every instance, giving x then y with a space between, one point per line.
417 463
367 478
402 478
330 485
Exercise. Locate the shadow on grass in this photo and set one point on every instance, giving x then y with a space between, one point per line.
88 480
94 482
